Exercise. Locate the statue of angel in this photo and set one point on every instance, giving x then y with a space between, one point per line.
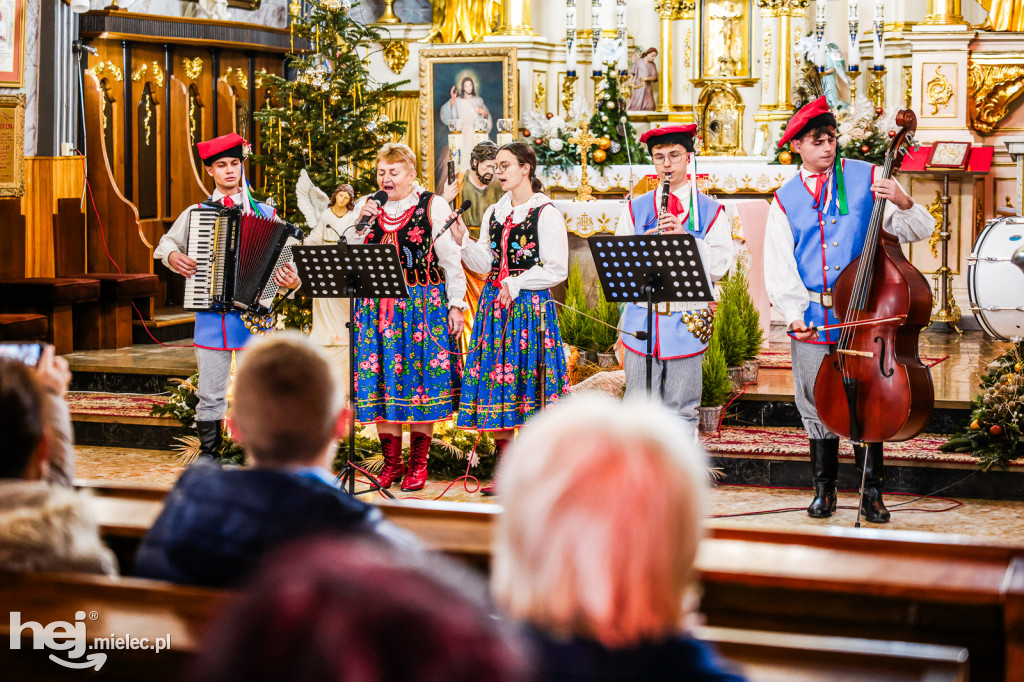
329 217
215 9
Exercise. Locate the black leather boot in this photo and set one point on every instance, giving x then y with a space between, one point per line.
824 471
209 438
873 509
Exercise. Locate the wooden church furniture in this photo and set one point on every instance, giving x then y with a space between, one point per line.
56 298
23 327
132 607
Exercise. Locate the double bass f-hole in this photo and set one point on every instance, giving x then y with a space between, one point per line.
881 358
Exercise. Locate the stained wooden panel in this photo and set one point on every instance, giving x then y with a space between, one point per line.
47 180
186 179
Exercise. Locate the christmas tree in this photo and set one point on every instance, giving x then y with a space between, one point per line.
328 119
618 139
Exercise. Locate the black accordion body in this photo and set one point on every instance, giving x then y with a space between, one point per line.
236 255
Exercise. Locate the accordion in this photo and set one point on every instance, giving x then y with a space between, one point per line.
236 255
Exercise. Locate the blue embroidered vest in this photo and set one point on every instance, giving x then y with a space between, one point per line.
414 243
826 242
224 331
676 335
517 244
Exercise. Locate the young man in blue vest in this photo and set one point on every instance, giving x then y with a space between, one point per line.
816 227
681 330
217 335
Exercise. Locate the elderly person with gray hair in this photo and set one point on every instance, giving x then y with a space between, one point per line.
594 552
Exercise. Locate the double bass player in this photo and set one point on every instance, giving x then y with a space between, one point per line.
817 225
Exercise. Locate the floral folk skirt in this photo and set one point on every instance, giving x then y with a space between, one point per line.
403 373
500 384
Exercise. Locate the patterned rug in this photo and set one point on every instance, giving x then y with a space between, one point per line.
779 358
112 404
791 442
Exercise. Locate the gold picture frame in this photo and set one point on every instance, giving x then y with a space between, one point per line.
725 54
12 145
440 71
12 43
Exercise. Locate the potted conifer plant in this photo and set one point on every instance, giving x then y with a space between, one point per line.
751 321
732 334
575 328
605 335
716 386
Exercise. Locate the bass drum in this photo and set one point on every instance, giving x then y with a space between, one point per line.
994 283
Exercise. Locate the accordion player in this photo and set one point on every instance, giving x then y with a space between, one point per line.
236 256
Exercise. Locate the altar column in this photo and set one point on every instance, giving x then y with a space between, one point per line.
944 13
515 19
776 66
666 9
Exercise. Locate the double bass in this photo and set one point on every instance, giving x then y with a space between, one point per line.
872 386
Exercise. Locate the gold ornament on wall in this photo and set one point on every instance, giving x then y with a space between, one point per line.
935 209
193 67
396 54
540 91
109 68
769 48
240 77
908 87
992 85
939 91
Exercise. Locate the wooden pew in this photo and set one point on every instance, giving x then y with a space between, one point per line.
112 608
179 616
873 584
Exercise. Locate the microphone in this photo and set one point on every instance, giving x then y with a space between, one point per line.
381 197
451 221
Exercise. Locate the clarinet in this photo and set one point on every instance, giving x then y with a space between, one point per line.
664 198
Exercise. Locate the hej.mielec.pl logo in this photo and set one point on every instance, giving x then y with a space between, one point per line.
71 639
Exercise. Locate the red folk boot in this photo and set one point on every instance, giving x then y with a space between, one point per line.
394 467
419 449
499 449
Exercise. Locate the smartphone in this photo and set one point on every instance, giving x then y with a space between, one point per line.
451 171
28 353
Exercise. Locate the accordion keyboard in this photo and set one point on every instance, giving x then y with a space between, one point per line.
206 246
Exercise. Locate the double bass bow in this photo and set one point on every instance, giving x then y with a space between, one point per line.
872 386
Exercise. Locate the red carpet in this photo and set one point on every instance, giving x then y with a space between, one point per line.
112 404
779 358
791 442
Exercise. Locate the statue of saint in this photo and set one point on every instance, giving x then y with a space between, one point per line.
643 76
1003 15
463 21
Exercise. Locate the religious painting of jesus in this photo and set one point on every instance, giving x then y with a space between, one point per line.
473 85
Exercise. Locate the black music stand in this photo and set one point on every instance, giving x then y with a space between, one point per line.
660 268
352 271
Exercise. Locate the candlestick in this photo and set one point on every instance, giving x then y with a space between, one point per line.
623 38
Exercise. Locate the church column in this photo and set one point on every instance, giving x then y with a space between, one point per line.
665 10
515 19
944 13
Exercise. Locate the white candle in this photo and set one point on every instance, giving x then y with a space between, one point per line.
570 35
853 56
595 27
819 32
877 39
620 24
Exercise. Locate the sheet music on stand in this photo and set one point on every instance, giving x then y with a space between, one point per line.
352 271
367 270
649 269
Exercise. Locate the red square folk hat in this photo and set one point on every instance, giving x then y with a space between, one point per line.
810 116
230 146
670 135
